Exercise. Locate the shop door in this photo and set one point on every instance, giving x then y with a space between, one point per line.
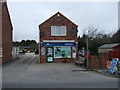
49 55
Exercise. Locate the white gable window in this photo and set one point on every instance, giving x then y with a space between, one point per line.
58 30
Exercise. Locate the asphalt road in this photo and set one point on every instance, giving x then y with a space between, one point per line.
23 73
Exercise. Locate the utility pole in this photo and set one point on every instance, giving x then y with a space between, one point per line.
87 52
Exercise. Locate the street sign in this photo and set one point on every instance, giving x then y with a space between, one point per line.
113 65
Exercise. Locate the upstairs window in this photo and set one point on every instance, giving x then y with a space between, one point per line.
58 30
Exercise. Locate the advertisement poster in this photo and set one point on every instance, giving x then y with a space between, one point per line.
42 51
62 52
113 65
74 52
49 51
50 59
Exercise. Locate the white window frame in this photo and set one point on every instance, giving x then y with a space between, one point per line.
54 31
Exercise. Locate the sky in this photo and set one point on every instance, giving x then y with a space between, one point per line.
26 16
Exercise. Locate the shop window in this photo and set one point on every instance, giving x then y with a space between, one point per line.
62 52
58 30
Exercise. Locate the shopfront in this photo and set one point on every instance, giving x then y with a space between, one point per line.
55 50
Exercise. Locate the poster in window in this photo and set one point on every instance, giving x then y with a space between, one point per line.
50 59
42 51
49 52
62 52
74 52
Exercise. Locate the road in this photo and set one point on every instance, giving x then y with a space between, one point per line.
23 73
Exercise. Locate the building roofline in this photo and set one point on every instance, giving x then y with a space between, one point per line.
56 14
5 4
106 46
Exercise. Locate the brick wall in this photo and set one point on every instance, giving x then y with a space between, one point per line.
94 62
55 21
6 34
99 62
115 53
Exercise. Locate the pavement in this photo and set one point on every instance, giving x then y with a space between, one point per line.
26 72
105 72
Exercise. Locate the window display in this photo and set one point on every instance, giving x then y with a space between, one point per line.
49 52
74 52
62 52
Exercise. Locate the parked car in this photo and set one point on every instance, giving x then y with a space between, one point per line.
21 51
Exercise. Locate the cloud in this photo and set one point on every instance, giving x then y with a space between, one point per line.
26 16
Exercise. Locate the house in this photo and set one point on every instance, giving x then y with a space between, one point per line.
6 33
25 49
113 50
58 39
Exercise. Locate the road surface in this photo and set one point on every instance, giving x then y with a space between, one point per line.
23 73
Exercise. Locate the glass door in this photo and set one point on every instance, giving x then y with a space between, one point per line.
49 55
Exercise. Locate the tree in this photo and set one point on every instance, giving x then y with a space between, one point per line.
95 37
32 43
116 37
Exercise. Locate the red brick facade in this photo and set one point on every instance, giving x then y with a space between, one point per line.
115 53
6 34
45 28
99 62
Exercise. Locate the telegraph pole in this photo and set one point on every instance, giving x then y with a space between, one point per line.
87 52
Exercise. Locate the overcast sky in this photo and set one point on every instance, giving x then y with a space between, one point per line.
26 16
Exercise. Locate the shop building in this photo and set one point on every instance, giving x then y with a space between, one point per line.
58 40
5 33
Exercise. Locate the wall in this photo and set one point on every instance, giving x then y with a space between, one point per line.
115 53
94 62
6 34
15 52
99 62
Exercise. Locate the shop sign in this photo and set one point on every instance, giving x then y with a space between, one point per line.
113 65
58 44
42 51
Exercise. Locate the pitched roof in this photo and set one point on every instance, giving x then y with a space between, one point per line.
109 45
58 13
